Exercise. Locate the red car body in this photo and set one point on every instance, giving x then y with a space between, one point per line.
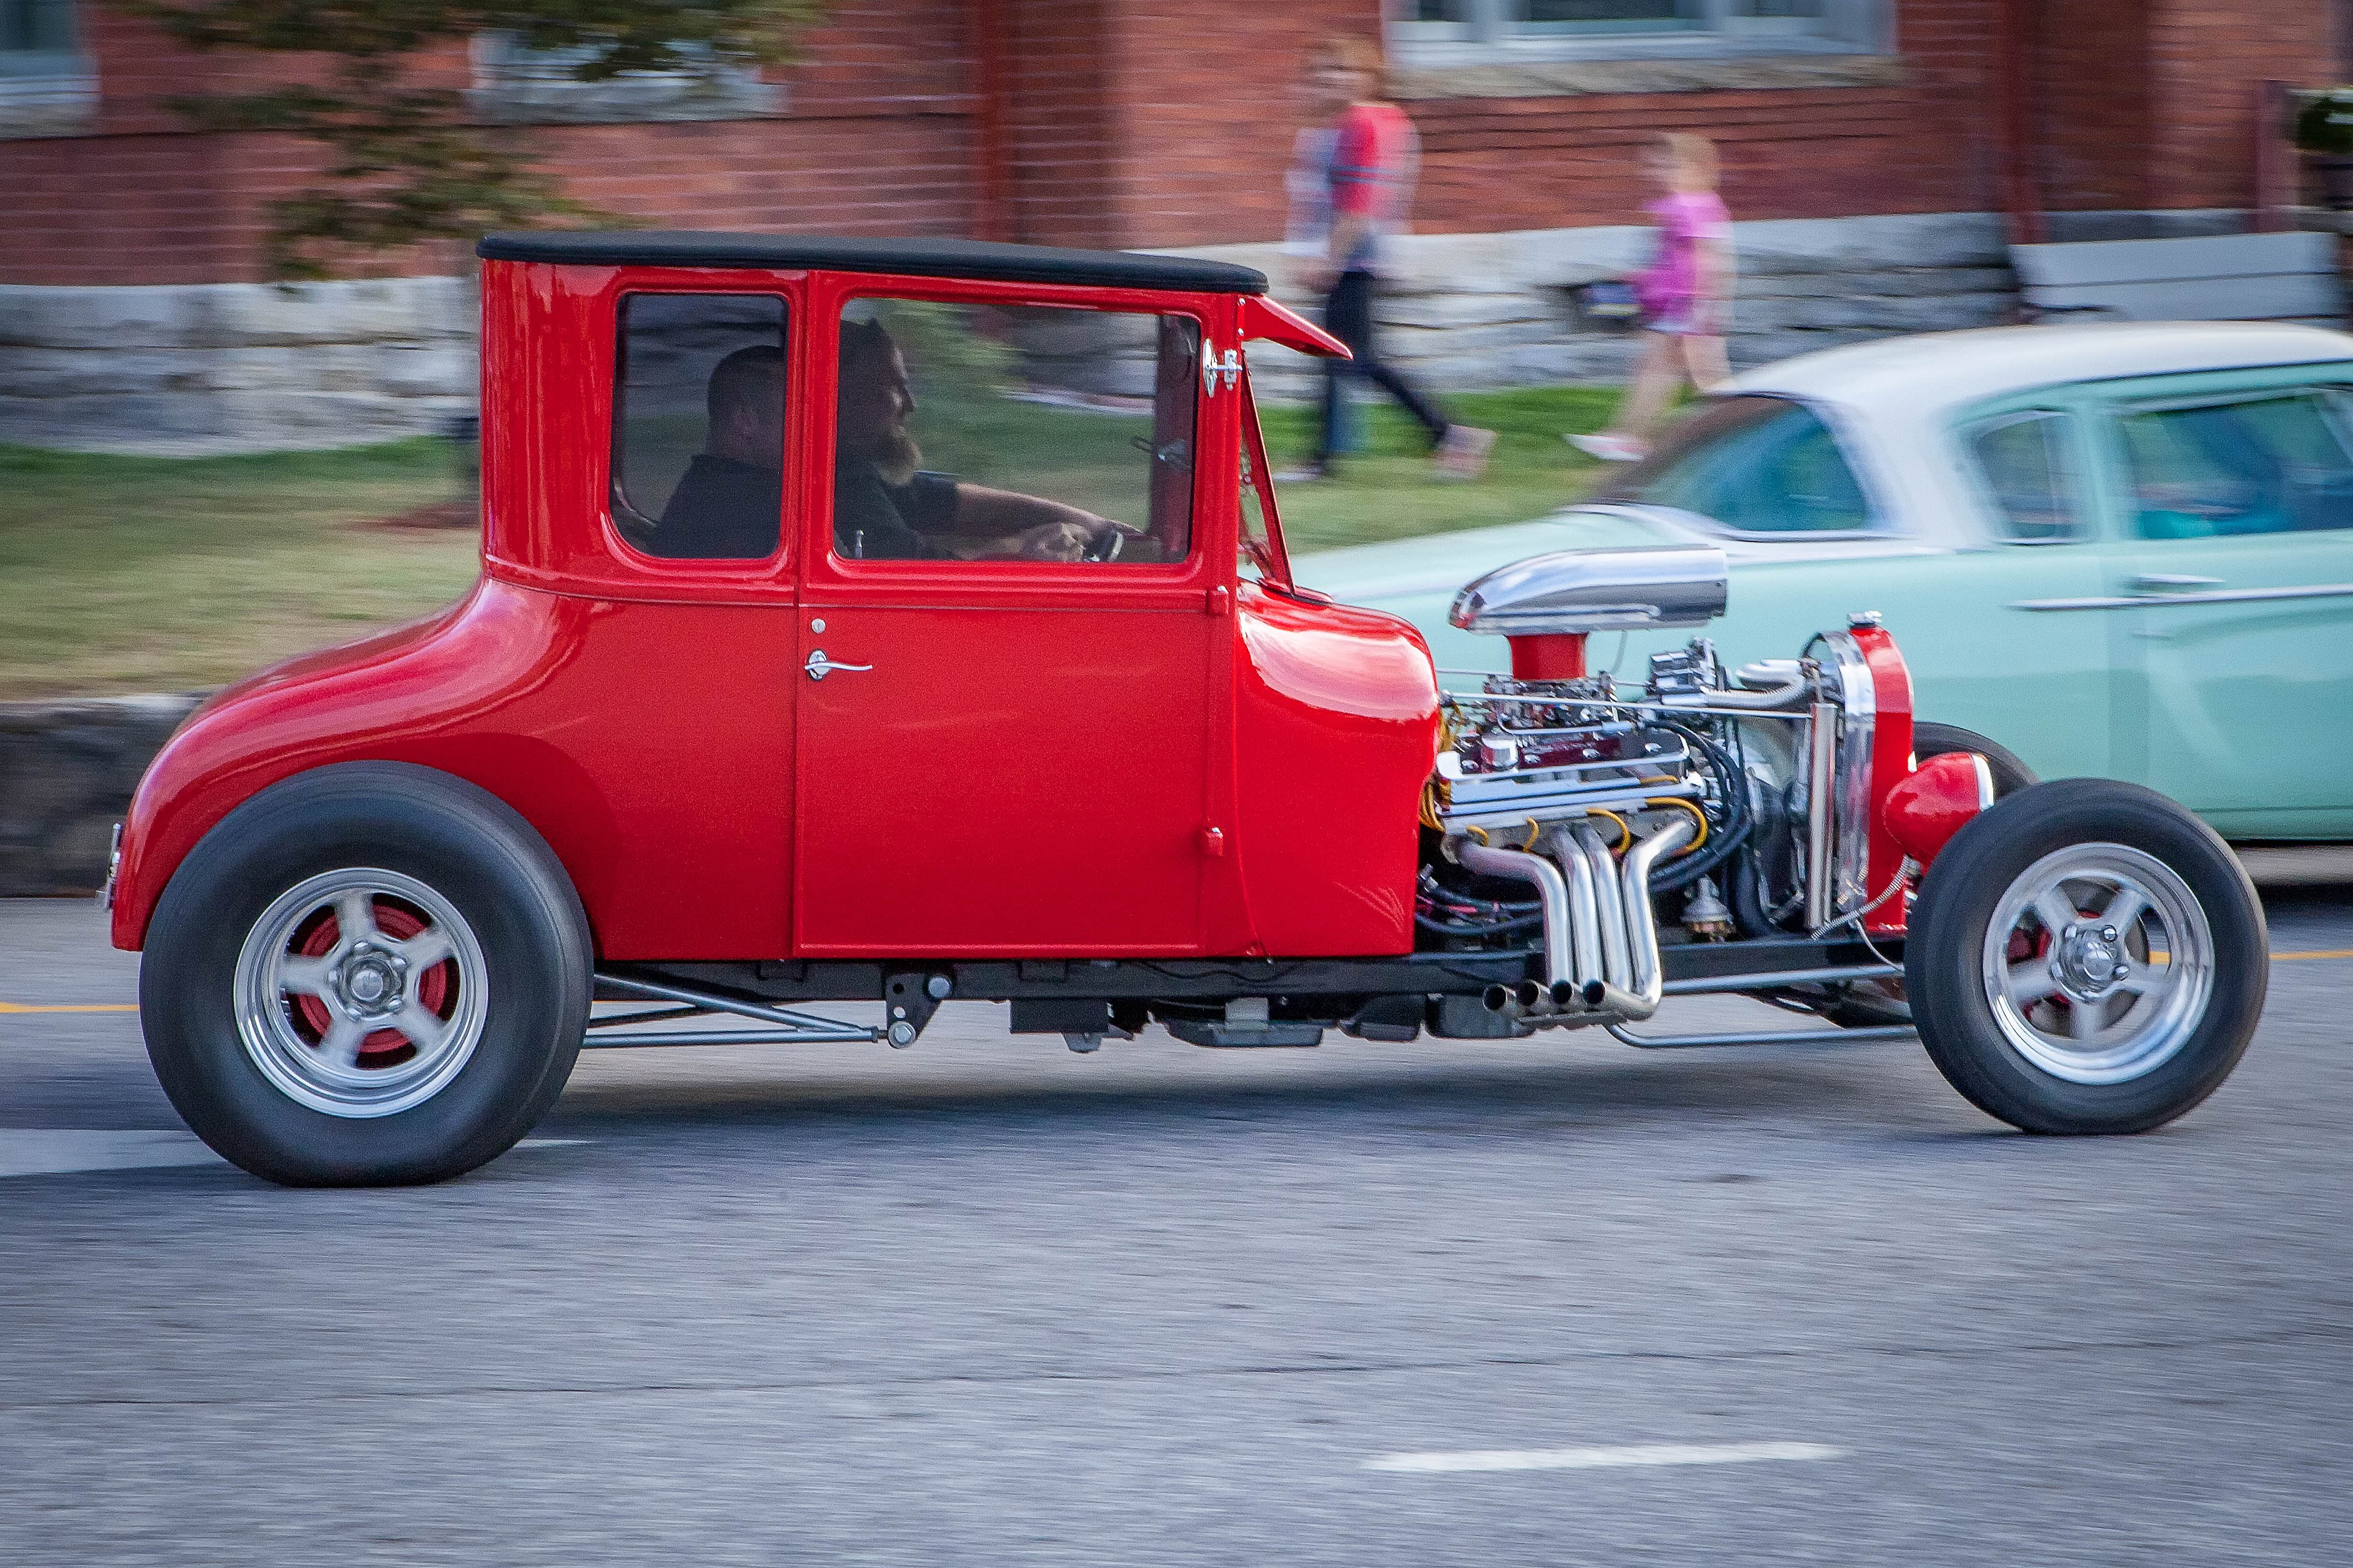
995 786
719 759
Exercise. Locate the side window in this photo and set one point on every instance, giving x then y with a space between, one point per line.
2269 464
1032 433
1754 465
2026 463
698 426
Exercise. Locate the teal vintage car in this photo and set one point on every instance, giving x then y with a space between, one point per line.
2121 550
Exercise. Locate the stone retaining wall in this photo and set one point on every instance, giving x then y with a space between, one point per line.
234 367
1466 312
1473 311
186 370
67 770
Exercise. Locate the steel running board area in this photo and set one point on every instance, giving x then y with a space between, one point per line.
1770 1037
790 1027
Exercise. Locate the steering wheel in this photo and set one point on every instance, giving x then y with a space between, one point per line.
1105 545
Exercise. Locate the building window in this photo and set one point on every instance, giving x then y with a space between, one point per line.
517 84
1450 32
47 86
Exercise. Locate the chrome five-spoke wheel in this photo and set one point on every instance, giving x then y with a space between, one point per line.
360 992
2086 956
2098 962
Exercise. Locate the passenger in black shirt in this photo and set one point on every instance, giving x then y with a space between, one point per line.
727 503
885 508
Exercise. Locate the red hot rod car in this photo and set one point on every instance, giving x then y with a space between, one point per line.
904 621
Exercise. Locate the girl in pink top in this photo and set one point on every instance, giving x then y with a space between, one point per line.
1683 294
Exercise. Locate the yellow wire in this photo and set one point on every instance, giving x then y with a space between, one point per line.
1697 814
1535 832
1479 831
1625 834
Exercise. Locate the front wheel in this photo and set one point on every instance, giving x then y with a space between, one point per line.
2086 957
368 975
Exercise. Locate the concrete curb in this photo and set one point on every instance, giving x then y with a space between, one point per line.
66 771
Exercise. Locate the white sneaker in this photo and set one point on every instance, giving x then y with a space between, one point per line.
1610 448
1463 454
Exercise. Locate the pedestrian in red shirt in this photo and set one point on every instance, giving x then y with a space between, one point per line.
1373 156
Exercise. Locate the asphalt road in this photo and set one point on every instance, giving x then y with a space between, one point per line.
983 1301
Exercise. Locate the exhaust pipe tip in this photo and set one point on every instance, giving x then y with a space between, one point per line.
1567 996
1498 998
1530 996
1592 995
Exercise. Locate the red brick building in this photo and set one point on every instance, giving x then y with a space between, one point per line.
1894 132
1154 123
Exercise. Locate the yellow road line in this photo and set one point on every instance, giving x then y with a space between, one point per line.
74 1007
2326 952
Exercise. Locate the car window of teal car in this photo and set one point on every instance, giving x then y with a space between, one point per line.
2277 463
2027 462
1754 465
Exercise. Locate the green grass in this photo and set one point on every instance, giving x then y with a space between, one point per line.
1387 490
150 573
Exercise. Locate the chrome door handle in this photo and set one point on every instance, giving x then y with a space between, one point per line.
819 667
2156 581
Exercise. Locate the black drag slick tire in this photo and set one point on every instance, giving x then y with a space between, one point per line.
2193 1032
2009 774
516 987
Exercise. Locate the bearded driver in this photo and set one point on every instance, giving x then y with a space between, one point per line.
886 509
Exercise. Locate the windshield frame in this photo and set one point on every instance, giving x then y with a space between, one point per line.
1274 560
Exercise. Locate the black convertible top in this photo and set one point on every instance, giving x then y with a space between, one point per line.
932 257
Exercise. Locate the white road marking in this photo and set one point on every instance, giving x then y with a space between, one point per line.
62 1151
1601 1459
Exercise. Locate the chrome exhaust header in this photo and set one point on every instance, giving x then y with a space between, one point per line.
1600 938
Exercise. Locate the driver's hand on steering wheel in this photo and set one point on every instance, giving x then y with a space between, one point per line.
1052 541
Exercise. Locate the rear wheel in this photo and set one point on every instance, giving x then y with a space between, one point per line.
2086 957
370 974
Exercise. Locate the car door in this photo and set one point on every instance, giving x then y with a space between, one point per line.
2237 495
1007 757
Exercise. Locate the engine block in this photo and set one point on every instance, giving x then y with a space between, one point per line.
1533 753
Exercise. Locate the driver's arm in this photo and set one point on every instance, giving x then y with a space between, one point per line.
983 513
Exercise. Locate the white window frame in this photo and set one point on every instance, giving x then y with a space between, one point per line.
514 83
1491 32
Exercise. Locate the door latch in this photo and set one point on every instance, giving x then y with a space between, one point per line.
1212 367
819 667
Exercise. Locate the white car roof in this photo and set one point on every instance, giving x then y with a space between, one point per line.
1926 372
